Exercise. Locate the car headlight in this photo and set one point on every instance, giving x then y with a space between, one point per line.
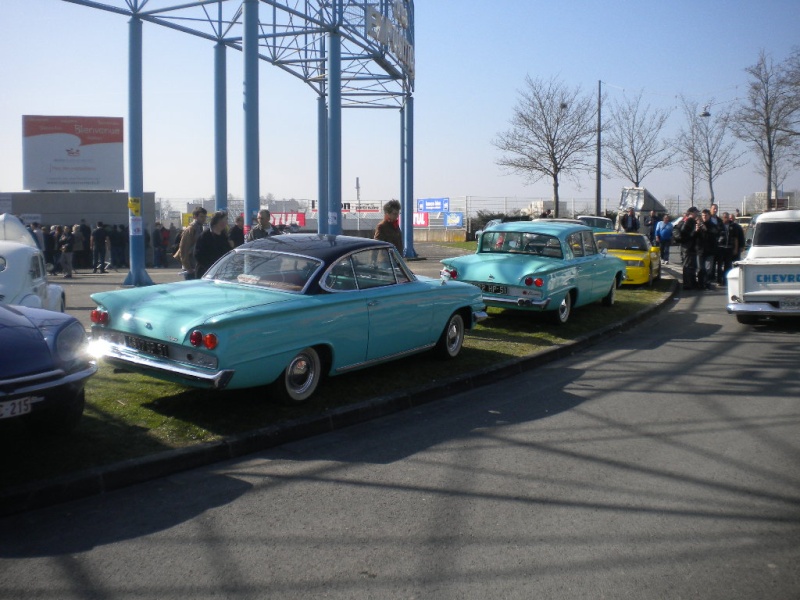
71 343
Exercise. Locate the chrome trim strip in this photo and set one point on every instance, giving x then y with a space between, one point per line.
384 358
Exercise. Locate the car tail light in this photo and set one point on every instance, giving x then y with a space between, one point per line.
196 338
99 317
538 282
452 273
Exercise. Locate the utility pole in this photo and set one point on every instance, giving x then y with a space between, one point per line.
358 205
597 207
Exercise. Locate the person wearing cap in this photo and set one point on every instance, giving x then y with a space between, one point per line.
687 235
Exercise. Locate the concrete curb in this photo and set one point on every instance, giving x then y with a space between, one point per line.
126 473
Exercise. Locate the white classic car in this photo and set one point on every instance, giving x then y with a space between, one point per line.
767 282
23 273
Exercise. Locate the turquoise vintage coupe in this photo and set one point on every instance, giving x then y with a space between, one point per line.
539 266
284 310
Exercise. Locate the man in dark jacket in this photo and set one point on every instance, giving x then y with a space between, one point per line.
685 232
707 234
629 223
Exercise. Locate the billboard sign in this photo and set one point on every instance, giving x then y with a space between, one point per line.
72 153
433 204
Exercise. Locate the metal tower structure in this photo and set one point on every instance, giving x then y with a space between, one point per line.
351 53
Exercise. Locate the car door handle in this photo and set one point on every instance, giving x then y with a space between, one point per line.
372 303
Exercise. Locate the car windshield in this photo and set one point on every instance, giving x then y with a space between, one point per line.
289 272
779 233
622 242
521 242
597 222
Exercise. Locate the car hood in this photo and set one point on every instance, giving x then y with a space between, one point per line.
501 268
31 353
170 310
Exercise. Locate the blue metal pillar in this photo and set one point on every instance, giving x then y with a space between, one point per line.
322 165
251 145
407 175
137 276
220 128
334 85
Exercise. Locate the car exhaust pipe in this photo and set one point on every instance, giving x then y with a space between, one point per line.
523 302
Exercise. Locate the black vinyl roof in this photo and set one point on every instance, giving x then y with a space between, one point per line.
327 248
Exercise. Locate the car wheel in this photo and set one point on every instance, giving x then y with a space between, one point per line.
452 338
658 273
611 296
747 319
60 419
300 378
561 314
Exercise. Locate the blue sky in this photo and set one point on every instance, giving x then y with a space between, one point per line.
472 57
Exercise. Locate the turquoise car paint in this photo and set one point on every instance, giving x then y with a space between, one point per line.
535 265
260 328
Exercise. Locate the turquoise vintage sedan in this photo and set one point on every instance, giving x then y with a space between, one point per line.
539 266
285 310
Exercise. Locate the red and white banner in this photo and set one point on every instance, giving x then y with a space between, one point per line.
72 153
420 219
290 218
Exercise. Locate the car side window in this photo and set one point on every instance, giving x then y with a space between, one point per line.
373 268
341 276
37 267
400 272
576 244
589 246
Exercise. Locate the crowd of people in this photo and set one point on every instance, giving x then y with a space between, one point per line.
67 248
710 243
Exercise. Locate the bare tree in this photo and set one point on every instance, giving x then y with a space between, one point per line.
792 81
634 147
766 117
552 133
706 143
686 145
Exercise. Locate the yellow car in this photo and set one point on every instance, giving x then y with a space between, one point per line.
642 261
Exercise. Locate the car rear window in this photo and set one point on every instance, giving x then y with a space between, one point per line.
521 242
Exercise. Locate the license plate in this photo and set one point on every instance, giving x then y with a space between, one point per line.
789 303
491 288
146 346
15 408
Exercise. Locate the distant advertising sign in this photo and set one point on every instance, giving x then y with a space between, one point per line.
454 220
420 220
433 204
72 153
